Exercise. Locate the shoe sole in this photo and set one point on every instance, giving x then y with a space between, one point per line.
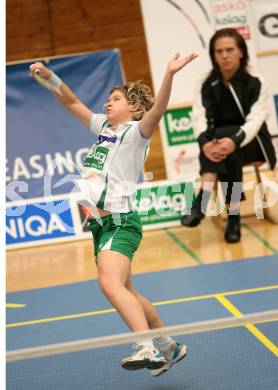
176 361
232 241
140 364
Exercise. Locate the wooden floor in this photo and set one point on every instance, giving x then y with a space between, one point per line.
160 250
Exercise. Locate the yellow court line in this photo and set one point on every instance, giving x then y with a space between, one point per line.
61 318
169 302
252 328
14 305
208 296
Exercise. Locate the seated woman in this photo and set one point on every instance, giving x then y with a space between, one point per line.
229 116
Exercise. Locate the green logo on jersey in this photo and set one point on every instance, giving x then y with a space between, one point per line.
96 158
178 125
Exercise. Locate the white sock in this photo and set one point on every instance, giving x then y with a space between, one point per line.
146 343
164 343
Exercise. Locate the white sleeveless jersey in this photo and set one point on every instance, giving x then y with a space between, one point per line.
112 166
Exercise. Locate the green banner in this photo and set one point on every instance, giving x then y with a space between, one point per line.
164 203
178 124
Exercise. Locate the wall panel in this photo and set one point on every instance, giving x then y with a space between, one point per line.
41 28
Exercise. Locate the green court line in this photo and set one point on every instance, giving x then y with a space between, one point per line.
184 247
259 238
169 302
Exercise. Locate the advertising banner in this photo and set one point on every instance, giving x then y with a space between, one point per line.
182 148
178 125
44 142
46 146
265 30
186 26
161 204
232 14
265 21
38 222
276 105
158 204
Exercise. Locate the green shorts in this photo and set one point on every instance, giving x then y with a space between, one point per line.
121 232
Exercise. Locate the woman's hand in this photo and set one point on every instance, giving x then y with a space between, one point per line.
227 145
213 151
43 70
218 150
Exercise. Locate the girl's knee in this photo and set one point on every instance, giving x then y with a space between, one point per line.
109 288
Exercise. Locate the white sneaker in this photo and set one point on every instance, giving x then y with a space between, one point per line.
144 357
173 356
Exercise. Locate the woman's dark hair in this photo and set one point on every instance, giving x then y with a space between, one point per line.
240 42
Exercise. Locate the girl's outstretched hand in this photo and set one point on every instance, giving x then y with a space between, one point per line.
178 62
43 70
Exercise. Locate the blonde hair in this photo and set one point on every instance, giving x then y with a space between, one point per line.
138 95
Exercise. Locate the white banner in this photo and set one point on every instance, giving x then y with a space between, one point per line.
186 26
231 14
264 15
265 23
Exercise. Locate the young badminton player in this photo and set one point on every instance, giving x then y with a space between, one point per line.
111 171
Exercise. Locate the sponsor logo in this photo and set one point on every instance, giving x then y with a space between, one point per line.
163 203
38 222
231 13
96 158
268 25
156 204
178 124
36 166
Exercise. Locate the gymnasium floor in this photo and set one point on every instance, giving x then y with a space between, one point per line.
236 358
162 249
